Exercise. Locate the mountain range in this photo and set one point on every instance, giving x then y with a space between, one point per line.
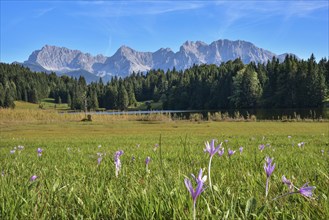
127 60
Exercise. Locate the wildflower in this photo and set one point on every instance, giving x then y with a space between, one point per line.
221 151
198 190
147 161
39 152
20 147
133 159
261 147
322 151
288 183
210 148
306 190
301 144
199 178
117 162
99 160
230 152
34 177
269 168
241 149
155 147
12 151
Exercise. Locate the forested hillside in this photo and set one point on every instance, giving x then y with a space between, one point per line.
291 84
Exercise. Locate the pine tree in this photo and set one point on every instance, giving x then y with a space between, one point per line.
123 100
9 100
69 102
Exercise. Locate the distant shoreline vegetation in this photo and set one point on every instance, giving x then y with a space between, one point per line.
232 85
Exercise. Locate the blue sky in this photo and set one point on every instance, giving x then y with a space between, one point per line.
101 27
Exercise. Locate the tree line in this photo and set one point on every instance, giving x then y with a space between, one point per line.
291 84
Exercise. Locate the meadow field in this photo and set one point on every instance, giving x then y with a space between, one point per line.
66 168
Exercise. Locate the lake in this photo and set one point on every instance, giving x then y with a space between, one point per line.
261 114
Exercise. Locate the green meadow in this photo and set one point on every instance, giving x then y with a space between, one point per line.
71 184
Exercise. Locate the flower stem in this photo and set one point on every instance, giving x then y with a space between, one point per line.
194 211
209 167
267 180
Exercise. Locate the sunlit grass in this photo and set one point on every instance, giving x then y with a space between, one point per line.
71 185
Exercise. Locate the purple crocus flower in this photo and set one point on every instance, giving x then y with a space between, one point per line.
39 152
221 151
301 144
199 178
155 147
261 147
12 151
198 190
117 161
147 160
99 160
306 190
288 183
20 147
269 168
230 152
241 149
210 148
34 177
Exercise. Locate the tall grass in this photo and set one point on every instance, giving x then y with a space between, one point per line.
71 185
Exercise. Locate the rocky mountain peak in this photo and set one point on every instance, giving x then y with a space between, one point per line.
127 60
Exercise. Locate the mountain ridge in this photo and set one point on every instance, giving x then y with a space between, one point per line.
127 60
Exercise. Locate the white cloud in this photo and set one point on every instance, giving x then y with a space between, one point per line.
41 12
133 8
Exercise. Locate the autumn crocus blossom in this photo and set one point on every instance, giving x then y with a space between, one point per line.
99 160
147 161
288 183
261 147
306 190
39 151
34 177
117 162
230 152
221 151
198 190
212 150
269 168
